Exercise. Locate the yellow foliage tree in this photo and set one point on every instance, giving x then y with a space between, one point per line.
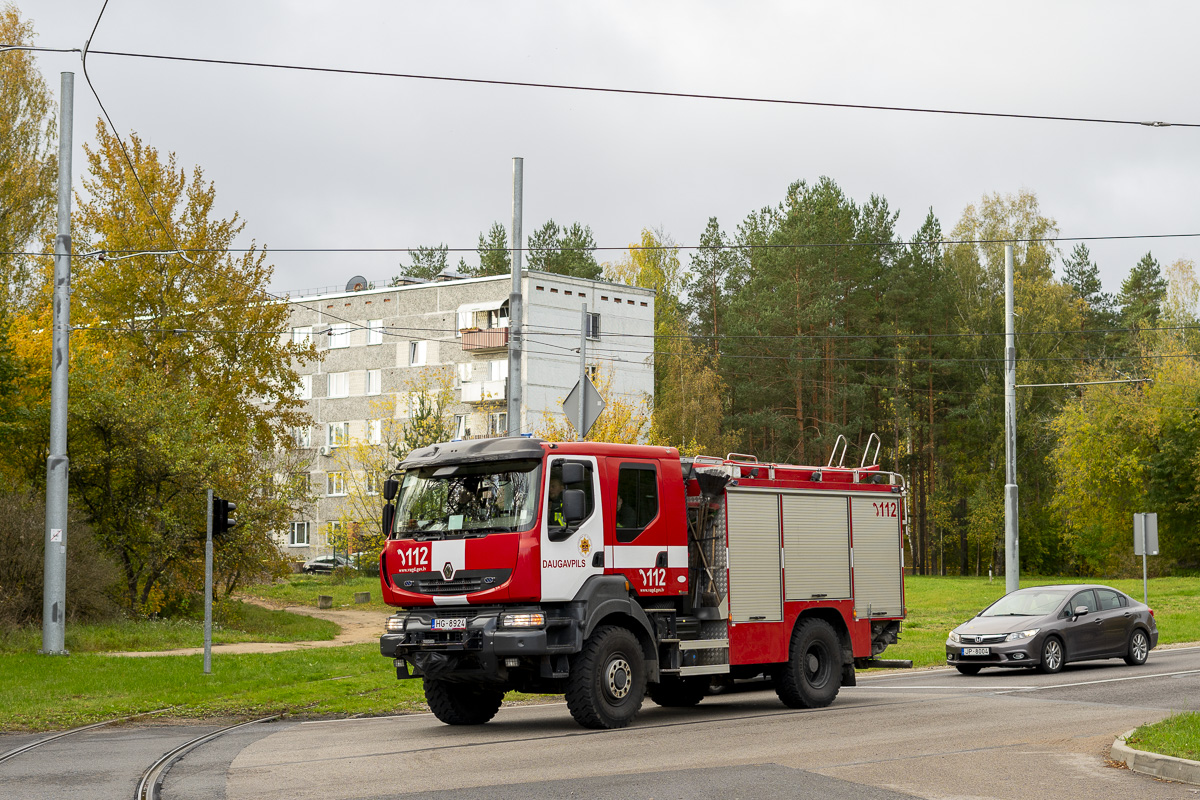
623 421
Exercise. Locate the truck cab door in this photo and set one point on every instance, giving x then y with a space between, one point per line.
569 548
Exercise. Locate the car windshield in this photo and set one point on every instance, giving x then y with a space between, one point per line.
457 501
1026 603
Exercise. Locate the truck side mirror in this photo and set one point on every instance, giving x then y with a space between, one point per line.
572 473
390 487
389 514
574 505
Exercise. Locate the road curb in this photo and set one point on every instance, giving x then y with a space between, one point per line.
1159 766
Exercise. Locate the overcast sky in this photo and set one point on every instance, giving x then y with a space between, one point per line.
316 160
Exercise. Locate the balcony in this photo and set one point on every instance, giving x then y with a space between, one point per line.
485 391
479 339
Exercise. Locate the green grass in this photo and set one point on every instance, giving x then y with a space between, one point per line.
936 605
1177 735
232 622
302 590
51 692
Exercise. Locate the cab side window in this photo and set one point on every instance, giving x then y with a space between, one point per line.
556 488
637 499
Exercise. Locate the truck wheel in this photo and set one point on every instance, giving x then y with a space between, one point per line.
813 674
608 679
462 703
678 692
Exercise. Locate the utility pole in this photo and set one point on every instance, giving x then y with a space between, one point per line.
579 432
208 583
1012 561
514 305
54 591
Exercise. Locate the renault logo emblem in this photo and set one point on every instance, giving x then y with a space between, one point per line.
448 571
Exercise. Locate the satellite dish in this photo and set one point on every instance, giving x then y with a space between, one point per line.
356 284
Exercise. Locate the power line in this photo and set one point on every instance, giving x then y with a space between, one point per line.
638 92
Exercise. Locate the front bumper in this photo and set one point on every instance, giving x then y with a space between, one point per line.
1019 653
483 650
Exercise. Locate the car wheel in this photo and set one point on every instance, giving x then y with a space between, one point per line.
968 669
1139 648
1052 656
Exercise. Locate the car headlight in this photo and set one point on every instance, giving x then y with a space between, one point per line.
954 637
524 620
1012 637
395 624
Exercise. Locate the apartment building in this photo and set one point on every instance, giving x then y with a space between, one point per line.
382 349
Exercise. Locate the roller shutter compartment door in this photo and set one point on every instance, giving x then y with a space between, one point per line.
755 584
876 538
816 547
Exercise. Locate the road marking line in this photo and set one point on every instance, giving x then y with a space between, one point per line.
1111 680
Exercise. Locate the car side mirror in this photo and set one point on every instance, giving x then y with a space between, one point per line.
572 473
574 505
390 487
1081 611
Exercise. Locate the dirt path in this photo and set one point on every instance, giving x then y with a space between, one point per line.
357 627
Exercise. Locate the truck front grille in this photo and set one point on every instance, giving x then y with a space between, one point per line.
464 581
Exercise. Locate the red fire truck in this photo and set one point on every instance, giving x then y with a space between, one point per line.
607 572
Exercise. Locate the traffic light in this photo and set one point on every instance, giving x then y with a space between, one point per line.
221 513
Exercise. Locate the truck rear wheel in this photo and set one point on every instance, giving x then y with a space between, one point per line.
678 692
813 674
462 703
607 680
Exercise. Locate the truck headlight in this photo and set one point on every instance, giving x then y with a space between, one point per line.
524 620
1012 637
395 624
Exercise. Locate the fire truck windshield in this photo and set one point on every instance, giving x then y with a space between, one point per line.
459 501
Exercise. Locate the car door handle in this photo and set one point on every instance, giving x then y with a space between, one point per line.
1099 621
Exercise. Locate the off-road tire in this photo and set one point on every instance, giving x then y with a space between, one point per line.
1054 655
678 692
608 679
462 703
968 669
812 675
1139 648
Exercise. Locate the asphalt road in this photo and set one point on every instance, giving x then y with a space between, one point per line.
929 733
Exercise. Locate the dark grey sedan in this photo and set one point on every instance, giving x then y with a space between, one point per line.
1047 626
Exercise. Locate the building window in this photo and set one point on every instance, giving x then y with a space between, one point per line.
301 483
466 319
460 426
339 434
339 384
374 381
302 436
464 371
416 354
593 371
372 483
298 537
374 331
304 390
335 484
374 431
498 370
339 335
593 325
498 423
301 337
332 530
